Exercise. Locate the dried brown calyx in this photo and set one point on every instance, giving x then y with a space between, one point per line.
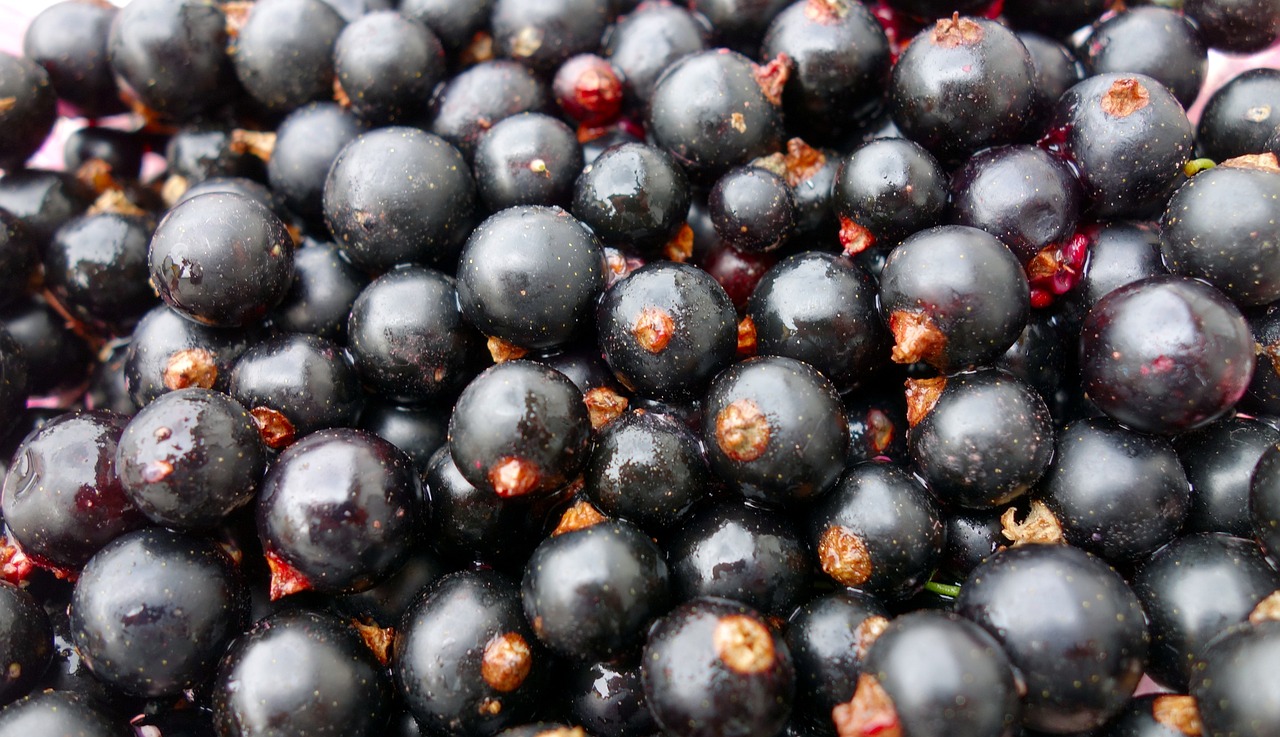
653 329
379 640
7 104
797 165
255 143
563 732
479 49
506 662
512 476
285 579
191 367
237 14
953 32
881 431
844 556
276 429
826 11
117 202
1125 97
175 185
1040 527
501 351
340 95
870 713
526 42
742 431
916 337
1267 610
578 517
868 631
772 77
96 174
1260 162
1271 352
854 238
153 472
744 644
604 405
747 338
680 247
922 395
1179 713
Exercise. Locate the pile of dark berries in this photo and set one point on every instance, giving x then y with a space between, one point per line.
605 368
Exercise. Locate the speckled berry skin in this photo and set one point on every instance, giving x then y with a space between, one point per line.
305 669
1071 626
828 637
1128 162
1236 683
29 119
986 441
339 506
709 112
221 259
57 712
802 451
162 335
399 195
530 275
1223 226
1165 354
26 642
693 691
310 381
190 458
633 196
961 86
153 611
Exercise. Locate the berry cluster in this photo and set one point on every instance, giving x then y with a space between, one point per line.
607 368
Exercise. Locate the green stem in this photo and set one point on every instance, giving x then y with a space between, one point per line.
943 589
1195 166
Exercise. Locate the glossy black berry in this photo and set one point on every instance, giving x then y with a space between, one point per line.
147 35
714 110
878 531
336 512
33 108
1021 194
221 259
1222 226
96 266
294 384
480 97
1264 502
69 39
886 190
43 200
775 430
752 209
591 593
1192 590
58 712
954 297
1127 137
1235 686
840 64
530 276
283 52
1165 354
398 195
153 611
1157 42
1057 70
62 498
26 642
931 674
1237 26
408 337
1220 460
1241 115
520 428
543 35
634 197
307 142
877 417
962 85
1118 253
387 66
735 551
190 458
1125 514
466 660
1056 17
56 357
308 670
648 469
607 699
713 667
979 439
644 42
384 605
19 259
527 159
418 431
1071 626
207 148
666 329
169 352
325 287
